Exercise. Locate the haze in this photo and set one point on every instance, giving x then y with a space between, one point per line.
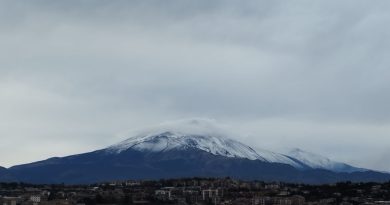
76 76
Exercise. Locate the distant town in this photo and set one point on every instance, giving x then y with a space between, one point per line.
200 191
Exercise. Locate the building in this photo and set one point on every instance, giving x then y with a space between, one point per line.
266 200
211 193
163 194
10 200
35 199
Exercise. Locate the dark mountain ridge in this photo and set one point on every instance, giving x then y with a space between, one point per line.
199 150
100 166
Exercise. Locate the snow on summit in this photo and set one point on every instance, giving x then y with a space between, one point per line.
316 161
202 134
209 136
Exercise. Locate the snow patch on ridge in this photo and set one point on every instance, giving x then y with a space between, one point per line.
316 161
211 137
169 140
202 134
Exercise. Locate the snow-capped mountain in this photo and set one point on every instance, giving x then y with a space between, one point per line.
188 148
317 161
208 136
167 141
216 145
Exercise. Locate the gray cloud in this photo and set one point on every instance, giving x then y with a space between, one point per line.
75 75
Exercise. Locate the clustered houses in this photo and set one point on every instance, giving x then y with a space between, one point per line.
198 191
265 200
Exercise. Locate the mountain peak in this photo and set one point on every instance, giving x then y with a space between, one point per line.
196 132
168 140
195 147
209 136
200 134
317 161
192 126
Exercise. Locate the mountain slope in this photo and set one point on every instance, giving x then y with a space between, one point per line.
188 149
208 136
316 161
101 166
2 170
216 145
5 175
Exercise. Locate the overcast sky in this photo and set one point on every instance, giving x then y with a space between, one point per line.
75 76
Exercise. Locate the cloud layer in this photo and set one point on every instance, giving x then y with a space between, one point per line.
76 75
